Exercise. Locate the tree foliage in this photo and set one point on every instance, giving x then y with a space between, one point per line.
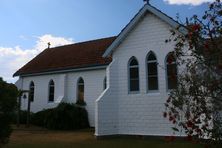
195 107
8 95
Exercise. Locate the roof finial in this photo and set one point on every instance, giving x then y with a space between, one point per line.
49 44
146 1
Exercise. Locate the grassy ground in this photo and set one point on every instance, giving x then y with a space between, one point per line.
41 138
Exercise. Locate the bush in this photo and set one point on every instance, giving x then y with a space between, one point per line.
39 118
80 102
5 130
8 96
64 117
22 117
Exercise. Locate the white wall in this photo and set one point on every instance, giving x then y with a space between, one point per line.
142 113
106 116
65 90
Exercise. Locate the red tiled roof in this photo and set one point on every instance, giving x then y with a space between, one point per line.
79 55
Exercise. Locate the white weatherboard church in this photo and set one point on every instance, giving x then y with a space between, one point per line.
124 80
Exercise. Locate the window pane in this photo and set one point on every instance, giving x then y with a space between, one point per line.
153 83
51 97
134 85
80 92
104 83
151 57
171 58
172 76
31 91
31 95
134 73
51 91
172 83
152 68
133 62
171 69
81 88
81 81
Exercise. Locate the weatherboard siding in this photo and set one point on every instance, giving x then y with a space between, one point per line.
65 90
114 110
106 118
142 113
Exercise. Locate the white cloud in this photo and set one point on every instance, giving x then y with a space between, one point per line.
187 2
13 58
42 41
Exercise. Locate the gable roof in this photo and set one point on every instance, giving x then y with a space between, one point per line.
146 8
74 56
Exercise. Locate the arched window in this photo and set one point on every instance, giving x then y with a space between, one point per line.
133 75
51 90
152 74
31 91
104 83
171 68
80 90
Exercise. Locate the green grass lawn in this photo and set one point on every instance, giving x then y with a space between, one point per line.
40 138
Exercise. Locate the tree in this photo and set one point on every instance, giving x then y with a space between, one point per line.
195 106
8 96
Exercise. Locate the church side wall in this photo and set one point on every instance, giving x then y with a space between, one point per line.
65 90
139 113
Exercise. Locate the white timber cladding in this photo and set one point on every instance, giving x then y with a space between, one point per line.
115 110
106 117
65 90
120 112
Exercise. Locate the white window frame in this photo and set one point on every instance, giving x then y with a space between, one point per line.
147 72
129 79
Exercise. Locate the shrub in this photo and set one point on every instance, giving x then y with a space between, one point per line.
5 128
64 117
22 117
8 95
80 102
40 117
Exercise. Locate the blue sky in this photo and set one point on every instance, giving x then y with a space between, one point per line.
27 25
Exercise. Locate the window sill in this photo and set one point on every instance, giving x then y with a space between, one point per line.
153 93
134 93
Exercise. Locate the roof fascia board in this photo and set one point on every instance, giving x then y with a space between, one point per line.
166 19
125 31
136 19
64 71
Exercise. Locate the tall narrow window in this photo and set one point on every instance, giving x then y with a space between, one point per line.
31 91
171 71
152 74
133 75
80 91
104 83
51 90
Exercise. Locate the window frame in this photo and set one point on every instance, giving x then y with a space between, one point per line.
77 90
49 91
129 79
166 70
147 72
31 87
